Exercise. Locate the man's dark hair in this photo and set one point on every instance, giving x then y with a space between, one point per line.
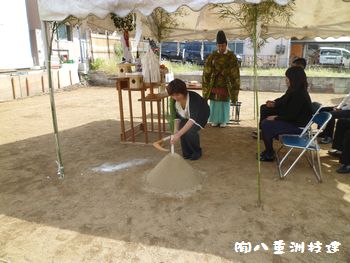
300 62
177 86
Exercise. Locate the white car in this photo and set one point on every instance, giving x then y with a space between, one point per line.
334 56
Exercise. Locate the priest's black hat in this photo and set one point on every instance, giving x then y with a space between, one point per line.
221 38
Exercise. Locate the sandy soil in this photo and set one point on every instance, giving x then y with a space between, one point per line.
93 216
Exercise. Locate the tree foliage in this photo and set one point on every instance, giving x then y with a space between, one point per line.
265 13
163 23
124 24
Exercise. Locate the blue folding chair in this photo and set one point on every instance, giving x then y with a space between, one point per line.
306 142
316 107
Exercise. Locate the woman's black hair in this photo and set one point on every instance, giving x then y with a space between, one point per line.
177 86
301 62
297 78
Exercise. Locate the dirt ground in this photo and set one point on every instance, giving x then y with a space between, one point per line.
109 217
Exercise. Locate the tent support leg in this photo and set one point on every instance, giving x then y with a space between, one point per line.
48 45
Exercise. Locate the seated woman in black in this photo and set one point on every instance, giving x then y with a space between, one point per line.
192 113
271 107
295 111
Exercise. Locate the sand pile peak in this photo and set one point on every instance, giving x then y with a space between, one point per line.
173 175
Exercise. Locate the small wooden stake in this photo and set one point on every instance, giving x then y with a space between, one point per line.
42 84
70 77
58 79
13 88
27 86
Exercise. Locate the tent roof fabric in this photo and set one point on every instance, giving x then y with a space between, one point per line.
53 10
312 18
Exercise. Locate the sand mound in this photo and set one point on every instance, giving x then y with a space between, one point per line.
173 175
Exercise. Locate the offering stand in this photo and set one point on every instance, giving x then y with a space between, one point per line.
157 125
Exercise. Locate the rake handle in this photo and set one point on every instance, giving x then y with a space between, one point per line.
172 145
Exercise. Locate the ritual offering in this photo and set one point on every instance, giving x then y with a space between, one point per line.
150 71
123 69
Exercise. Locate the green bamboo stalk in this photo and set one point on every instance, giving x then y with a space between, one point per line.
171 115
60 170
256 93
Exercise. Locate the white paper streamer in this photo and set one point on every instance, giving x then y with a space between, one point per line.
138 31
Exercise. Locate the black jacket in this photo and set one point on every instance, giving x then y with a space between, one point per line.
295 107
199 109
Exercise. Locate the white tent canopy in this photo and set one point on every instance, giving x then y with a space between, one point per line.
312 18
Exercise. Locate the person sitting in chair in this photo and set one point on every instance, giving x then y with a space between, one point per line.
192 113
338 112
295 111
271 107
341 145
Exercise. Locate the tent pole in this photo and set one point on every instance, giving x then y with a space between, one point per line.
256 100
254 94
288 52
48 47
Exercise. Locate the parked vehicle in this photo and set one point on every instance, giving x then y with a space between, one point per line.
334 56
173 51
192 51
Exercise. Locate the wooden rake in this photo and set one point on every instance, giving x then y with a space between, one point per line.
159 144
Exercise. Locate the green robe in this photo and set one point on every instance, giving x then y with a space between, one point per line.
221 71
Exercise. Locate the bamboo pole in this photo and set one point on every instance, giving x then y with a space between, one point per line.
107 37
160 52
91 45
48 46
256 101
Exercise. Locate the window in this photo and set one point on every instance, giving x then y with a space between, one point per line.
209 47
64 32
346 54
331 52
169 46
